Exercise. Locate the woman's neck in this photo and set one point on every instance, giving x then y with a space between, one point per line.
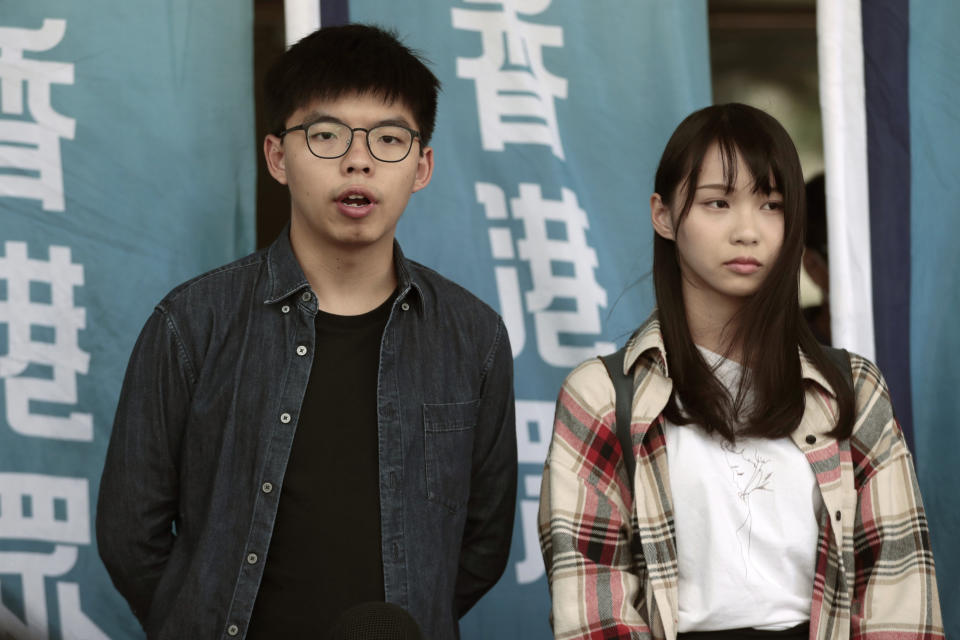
713 323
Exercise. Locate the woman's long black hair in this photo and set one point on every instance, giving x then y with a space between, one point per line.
769 327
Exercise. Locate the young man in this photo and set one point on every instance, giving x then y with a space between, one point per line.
324 422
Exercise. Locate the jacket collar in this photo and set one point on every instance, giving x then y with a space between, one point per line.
648 341
809 371
285 277
409 283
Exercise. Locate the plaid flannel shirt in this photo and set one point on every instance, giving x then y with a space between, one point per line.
611 558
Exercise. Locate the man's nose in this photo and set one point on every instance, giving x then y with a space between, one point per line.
357 157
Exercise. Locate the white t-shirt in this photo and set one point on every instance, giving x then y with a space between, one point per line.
746 520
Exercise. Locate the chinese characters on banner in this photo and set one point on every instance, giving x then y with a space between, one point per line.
44 518
32 146
516 106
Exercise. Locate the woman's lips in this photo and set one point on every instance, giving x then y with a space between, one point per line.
743 266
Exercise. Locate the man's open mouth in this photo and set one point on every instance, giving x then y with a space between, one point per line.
356 200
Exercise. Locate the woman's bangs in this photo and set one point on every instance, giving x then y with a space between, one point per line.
758 157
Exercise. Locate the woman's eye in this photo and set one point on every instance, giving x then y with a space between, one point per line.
774 206
716 204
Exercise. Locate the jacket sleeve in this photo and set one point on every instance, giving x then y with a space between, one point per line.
895 591
493 481
139 489
585 529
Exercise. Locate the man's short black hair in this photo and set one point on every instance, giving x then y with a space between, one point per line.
335 61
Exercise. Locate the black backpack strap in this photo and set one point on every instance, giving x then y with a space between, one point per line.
841 358
623 389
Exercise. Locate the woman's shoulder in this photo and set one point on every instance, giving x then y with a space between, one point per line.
865 369
869 387
877 438
860 370
590 383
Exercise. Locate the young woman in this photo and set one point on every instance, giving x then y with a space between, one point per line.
770 498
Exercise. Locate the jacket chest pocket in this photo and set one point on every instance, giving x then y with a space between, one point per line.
448 450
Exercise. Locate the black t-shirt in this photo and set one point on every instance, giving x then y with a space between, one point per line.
325 554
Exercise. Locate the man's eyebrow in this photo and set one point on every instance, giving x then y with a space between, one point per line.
318 116
399 121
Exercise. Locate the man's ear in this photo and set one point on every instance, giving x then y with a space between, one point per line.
273 152
661 218
424 169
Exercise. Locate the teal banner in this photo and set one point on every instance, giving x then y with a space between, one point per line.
127 158
551 122
935 282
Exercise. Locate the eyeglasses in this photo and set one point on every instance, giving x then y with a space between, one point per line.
332 139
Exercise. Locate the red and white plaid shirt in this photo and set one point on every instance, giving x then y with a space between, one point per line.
875 575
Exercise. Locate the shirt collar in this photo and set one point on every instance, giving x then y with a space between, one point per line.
286 278
284 275
809 371
409 284
649 339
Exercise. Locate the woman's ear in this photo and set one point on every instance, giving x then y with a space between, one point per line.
661 218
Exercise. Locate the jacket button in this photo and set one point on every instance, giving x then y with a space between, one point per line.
306 296
252 558
266 487
284 418
233 630
285 309
405 306
811 439
301 350
838 515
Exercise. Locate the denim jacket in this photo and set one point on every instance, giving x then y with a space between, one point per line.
206 420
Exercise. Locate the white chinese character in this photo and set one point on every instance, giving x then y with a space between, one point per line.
515 92
32 568
74 624
562 267
41 507
42 333
33 146
534 427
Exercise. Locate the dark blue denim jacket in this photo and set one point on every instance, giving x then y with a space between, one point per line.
205 423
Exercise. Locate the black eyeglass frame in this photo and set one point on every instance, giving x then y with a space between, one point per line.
303 126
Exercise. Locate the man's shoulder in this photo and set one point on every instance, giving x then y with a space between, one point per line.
445 293
230 281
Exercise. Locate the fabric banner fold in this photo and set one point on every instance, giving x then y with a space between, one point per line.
126 166
889 89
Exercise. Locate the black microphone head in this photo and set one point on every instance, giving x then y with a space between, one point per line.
375 621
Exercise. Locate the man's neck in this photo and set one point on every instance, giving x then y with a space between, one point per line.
348 281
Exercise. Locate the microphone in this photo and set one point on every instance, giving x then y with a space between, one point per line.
375 621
